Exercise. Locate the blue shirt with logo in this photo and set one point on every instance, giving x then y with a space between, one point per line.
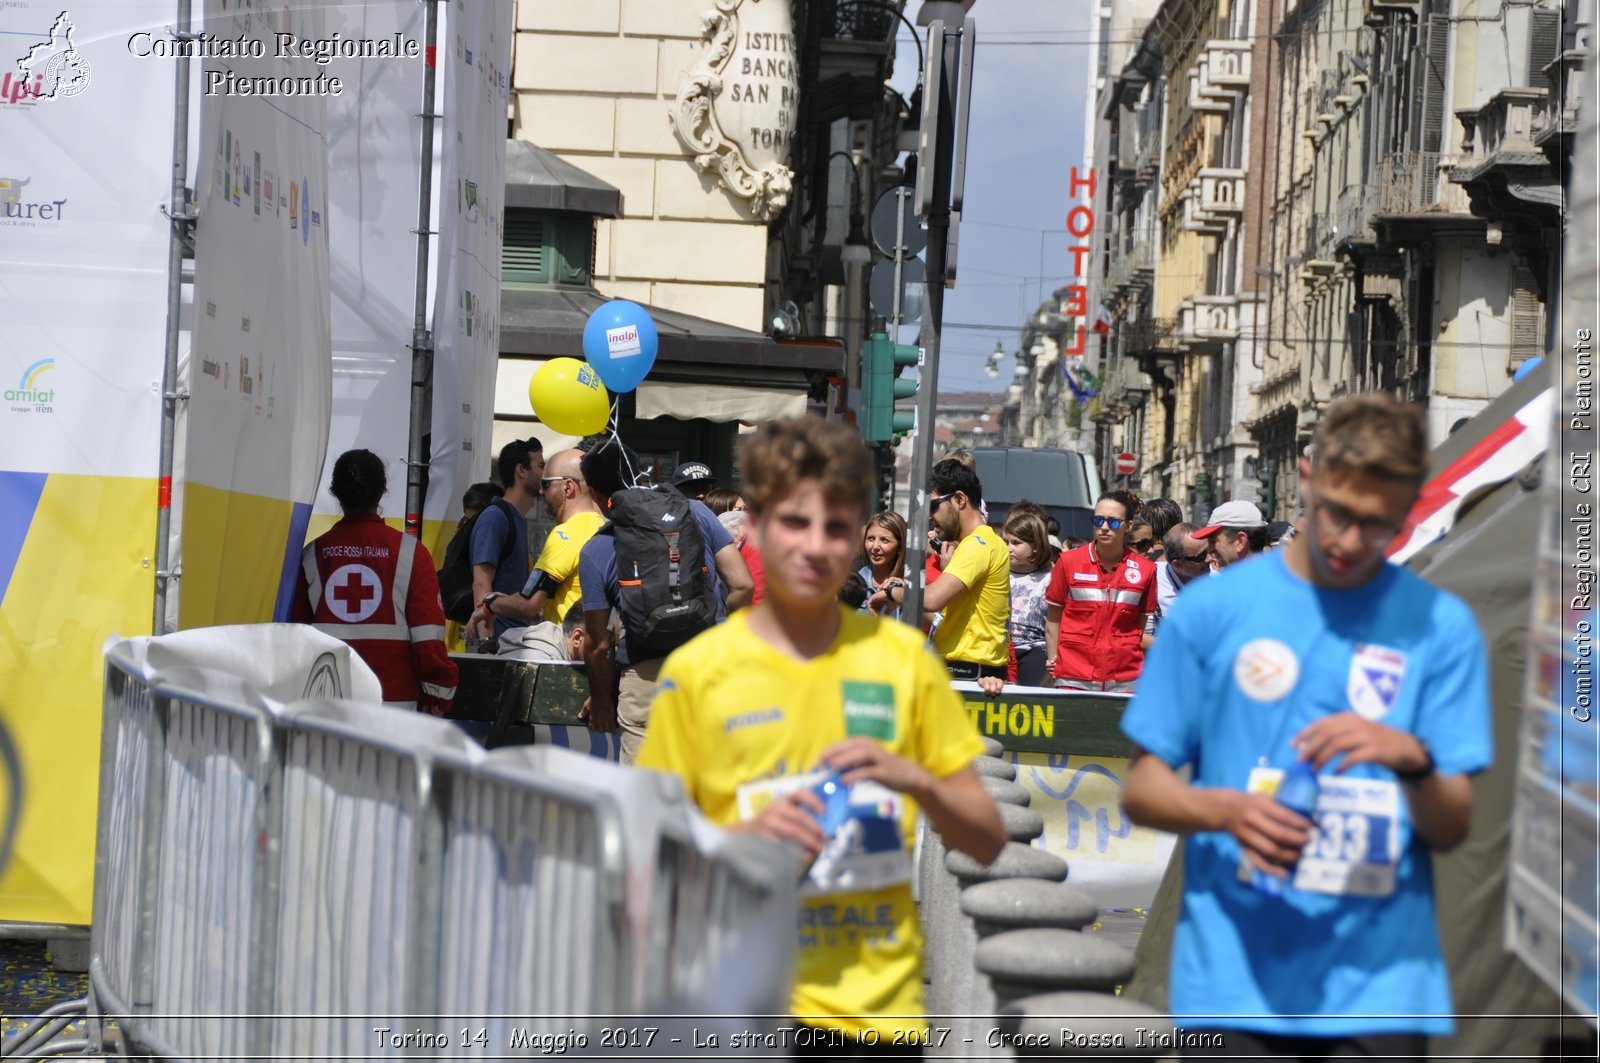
1244 661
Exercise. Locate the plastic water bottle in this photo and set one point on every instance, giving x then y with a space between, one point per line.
1297 791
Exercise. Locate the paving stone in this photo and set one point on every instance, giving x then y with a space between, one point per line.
1014 903
1021 824
1090 1023
991 746
1004 792
1015 861
1051 959
995 768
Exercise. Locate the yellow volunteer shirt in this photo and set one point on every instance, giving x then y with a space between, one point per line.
974 625
730 710
559 561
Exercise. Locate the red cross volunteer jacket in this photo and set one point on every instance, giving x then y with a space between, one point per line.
367 584
1102 614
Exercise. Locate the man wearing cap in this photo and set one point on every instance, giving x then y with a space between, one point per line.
1236 531
693 479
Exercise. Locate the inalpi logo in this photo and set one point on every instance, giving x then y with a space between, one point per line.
29 396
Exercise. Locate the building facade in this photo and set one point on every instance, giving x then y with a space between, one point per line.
1312 198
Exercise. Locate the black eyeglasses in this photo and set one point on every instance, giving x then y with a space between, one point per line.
1336 519
1107 522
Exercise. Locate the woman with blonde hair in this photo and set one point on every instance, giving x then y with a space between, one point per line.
883 548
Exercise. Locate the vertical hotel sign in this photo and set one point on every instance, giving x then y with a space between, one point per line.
1080 226
85 170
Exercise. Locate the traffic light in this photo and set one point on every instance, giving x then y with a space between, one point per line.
883 457
1267 477
881 362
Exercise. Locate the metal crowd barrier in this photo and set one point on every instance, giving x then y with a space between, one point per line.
279 879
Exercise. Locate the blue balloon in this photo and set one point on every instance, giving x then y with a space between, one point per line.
620 342
1526 367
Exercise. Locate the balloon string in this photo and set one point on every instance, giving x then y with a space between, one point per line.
616 437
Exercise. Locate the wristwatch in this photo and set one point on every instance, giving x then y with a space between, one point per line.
490 597
1427 769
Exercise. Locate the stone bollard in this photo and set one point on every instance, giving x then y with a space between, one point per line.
995 768
1095 1024
1020 903
1021 824
1024 963
992 746
1006 793
939 908
967 1004
1015 861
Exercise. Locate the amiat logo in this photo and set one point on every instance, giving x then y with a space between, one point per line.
28 396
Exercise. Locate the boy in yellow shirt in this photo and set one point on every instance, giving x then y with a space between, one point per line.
798 693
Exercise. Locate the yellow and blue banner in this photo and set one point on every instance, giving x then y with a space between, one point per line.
86 125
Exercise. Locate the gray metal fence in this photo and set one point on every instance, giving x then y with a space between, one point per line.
280 879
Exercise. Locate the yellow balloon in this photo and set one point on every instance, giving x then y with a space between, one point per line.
567 395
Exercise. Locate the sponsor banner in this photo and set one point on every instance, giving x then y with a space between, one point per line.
375 157
260 384
475 60
85 170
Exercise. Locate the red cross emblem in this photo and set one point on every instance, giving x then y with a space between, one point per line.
354 592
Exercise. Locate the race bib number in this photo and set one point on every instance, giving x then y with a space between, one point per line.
1355 835
865 848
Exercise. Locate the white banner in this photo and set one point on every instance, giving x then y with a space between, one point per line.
85 167
260 380
375 155
475 56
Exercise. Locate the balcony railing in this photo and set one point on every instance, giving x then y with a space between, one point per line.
1196 218
1207 321
1199 100
856 20
1221 190
1501 130
1150 336
1559 115
1409 183
1224 69
1353 214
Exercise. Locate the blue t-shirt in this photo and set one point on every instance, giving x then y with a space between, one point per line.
1244 661
597 568
489 543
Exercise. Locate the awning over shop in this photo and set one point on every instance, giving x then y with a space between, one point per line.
548 323
539 180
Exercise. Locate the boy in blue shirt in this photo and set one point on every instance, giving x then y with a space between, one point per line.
1319 652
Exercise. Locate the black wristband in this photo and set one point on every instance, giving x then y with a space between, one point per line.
1414 777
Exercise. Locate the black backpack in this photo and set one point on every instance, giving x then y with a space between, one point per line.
666 593
455 575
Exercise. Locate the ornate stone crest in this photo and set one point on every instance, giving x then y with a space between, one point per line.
736 107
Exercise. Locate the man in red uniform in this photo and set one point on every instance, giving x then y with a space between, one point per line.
1099 605
374 588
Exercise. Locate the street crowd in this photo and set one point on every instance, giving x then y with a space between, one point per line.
755 644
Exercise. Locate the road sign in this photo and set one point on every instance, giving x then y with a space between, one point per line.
913 279
906 230
1127 463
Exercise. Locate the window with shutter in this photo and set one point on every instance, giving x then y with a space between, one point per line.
1544 44
522 258
1527 318
1435 57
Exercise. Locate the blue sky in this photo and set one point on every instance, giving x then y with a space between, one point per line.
1028 94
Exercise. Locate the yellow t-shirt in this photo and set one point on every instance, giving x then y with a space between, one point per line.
730 710
974 624
559 561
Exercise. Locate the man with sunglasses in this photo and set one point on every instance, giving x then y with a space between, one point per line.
1100 604
1324 654
974 590
552 588
1185 559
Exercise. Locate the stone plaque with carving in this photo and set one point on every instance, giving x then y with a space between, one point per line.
736 107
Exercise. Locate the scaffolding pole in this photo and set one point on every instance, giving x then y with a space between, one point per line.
421 339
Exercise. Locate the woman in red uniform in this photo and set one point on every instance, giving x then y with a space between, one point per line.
1098 604
374 588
